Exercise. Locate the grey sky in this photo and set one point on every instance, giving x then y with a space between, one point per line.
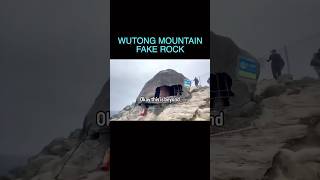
127 77
52 66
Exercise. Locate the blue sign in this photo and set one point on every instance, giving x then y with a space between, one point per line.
187 83
247 68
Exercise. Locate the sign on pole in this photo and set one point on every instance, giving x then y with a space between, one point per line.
247 68
187 83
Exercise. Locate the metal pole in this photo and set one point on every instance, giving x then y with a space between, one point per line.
287 58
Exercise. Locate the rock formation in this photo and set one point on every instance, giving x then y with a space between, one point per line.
225 54
282 143
168 77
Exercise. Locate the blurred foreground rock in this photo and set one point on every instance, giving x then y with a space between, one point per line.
77 157
282 143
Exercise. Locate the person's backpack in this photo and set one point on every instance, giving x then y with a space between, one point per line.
221 87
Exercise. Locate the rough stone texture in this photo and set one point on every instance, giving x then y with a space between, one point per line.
78 163
97 175
282 143
60 146
285 78
76 157
100 104
195 108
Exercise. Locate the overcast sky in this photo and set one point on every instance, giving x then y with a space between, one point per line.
53 54
52 66
127 77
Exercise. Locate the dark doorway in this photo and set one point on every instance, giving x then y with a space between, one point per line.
164 91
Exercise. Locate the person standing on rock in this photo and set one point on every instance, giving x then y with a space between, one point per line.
277 64
144 107
196 81
315 62
106 161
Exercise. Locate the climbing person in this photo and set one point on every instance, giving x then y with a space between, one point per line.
208 81
315 62
196 81
106 161
277 64
144 107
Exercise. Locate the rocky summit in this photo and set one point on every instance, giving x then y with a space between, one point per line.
194 108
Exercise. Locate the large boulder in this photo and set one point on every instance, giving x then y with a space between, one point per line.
225 55
302 164
101 103
168 77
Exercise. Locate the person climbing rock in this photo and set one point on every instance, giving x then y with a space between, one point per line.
196 81
315 62
277 64
144 107
106 161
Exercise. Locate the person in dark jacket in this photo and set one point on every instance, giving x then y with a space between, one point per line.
277 64
315 62
221 87
196 81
